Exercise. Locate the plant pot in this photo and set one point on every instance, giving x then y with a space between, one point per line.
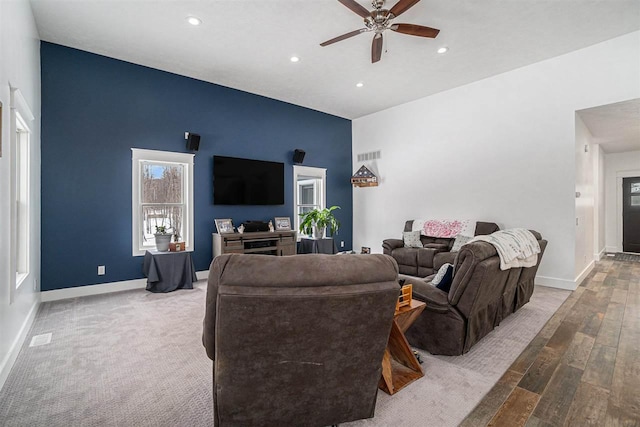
162 242
319 232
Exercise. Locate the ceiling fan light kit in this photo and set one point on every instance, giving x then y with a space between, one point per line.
378 20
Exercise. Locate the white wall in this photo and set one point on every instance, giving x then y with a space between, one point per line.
616 165
500 149
20 68
585 202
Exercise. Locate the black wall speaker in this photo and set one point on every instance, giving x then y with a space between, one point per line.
298 156
193 141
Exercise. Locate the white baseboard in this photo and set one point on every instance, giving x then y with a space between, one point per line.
103 288
552 282
14 350
612 249
585 273
599 255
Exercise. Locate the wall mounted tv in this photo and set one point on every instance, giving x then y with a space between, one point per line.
247 182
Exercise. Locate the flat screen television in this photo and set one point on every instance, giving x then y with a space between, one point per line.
247 182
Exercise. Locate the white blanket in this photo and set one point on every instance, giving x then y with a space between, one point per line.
516 247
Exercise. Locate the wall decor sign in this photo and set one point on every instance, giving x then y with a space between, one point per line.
224 225
283 223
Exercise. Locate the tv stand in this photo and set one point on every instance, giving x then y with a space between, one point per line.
278 243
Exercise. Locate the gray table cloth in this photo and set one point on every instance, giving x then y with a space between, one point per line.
168 271
317 246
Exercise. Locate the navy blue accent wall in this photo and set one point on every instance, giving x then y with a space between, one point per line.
95 109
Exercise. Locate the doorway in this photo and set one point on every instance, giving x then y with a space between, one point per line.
631 214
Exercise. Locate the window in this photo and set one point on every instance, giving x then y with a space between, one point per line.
162 189
22 192
309 191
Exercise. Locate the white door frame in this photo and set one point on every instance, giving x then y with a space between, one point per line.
619 176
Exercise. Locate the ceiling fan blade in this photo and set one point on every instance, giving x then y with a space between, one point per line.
376 48
402 6
356 7
415 30
342 37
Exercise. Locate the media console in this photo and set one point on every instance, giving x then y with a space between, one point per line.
277 243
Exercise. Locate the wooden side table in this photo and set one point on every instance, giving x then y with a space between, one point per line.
399 365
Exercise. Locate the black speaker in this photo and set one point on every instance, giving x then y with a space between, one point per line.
298 156
193 141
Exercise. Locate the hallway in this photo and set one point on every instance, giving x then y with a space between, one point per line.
582 369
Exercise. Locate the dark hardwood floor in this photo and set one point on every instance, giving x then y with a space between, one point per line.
583 368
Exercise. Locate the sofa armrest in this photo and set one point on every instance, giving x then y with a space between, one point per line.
388 245
443 258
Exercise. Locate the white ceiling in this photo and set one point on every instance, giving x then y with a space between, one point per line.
616 127
246 44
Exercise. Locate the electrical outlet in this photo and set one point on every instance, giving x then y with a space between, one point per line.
101 270
342 243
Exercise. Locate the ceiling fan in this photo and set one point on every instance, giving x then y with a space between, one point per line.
379 20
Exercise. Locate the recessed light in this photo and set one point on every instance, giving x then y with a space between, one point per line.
359 84
194 21
443 50
294 59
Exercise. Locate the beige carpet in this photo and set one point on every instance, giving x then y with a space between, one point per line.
136 359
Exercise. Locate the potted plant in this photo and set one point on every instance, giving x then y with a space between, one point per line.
163 238
318 220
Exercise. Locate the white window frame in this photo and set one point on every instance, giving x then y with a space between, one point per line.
318 173
138 156
21 135
23 196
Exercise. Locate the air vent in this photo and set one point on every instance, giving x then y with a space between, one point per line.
373 155
40 340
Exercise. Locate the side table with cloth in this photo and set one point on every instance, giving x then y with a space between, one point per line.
317 246
168 271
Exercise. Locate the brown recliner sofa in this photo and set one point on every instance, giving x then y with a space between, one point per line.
422 262
297 340
481 295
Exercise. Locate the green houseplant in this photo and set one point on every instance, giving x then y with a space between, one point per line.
318 220
162 238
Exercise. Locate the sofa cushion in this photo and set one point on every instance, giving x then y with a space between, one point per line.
441 246
443 278
411 239
406 256
425 257
460 240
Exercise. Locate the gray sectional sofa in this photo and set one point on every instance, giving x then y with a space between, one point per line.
481 296
422 262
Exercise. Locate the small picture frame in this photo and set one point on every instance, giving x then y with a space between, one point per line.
283 223
365 250
224 225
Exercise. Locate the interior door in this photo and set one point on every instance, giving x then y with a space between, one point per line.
631 214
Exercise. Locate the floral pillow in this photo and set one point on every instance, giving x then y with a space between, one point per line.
460 240
411 239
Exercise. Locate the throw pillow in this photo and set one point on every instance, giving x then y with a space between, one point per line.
460 240
411 239
443 278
